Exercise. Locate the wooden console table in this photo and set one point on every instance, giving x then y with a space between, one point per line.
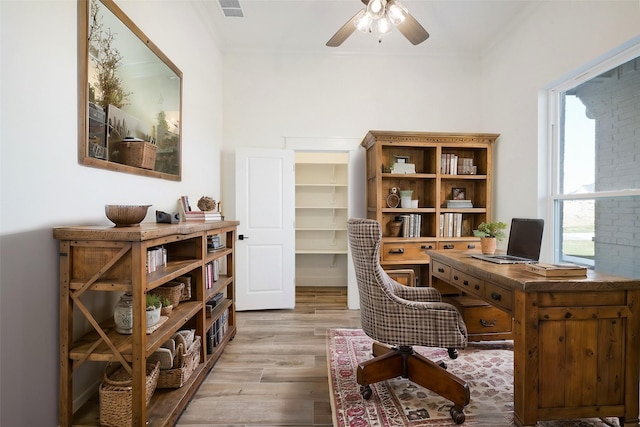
576 344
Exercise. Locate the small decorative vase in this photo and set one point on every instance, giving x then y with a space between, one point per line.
166 311
488 245
395 228
123 314
405 198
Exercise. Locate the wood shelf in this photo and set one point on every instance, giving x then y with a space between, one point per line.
107 259
321 186
432 186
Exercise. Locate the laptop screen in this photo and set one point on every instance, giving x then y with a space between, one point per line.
525 238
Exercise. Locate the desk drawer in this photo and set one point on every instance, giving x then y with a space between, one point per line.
470 284
498 296
440 270
481 318
406 252
460 245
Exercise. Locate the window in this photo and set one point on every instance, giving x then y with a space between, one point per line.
596 196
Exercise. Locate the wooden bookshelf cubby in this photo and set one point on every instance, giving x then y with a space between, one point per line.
96 260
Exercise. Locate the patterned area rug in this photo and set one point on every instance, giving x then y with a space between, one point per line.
487 367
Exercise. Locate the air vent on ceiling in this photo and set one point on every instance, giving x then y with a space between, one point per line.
231 8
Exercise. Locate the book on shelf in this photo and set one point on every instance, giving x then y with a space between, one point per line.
411 225
184 204
452 164
156 258
451 224
556 270
214 244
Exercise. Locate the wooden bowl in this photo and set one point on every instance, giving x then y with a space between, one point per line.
126 215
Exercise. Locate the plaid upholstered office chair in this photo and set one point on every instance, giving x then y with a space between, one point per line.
399 317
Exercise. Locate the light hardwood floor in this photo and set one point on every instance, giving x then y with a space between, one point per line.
274 373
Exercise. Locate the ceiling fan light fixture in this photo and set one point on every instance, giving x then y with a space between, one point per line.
396 12
379 17
382 26
376 8
363 21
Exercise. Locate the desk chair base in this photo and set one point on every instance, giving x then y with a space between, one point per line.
392 362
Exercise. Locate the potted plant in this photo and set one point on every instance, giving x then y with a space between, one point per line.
490 233
154 304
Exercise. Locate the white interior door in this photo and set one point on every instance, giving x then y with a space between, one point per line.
265 251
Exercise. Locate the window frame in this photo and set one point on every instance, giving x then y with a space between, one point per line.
623 54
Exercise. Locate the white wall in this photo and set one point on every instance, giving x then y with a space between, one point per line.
42 184
265 99
268 98
557 38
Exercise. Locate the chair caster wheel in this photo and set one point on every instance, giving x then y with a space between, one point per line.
366 392
457 415
453 353
442 365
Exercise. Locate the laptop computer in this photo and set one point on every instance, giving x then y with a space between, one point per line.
525 239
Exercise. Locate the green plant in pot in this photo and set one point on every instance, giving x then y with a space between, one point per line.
154 304
490 233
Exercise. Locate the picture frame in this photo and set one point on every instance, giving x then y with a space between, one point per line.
458 193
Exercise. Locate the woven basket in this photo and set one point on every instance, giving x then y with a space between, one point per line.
141 154
186 291
172 291
116 394
177 377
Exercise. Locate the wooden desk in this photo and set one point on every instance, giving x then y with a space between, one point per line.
576 339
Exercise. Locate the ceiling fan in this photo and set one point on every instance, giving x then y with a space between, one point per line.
378 17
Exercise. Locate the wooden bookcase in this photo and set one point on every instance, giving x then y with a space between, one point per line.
322 198
433 184
106 259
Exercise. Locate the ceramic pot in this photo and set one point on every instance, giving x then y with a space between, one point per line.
405 198
153 316
123 314
488 245
395 228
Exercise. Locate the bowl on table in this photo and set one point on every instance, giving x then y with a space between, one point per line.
126 215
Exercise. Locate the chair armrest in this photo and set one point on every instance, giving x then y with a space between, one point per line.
418 294
411 293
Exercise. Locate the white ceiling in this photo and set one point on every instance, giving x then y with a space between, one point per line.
457 27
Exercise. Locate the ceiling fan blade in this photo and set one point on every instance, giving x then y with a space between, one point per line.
345 31
412 30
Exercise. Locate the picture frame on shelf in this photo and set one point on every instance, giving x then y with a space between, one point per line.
458 193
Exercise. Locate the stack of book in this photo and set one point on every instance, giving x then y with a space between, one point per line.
556 270
203 216
459 204
403 168
190 215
